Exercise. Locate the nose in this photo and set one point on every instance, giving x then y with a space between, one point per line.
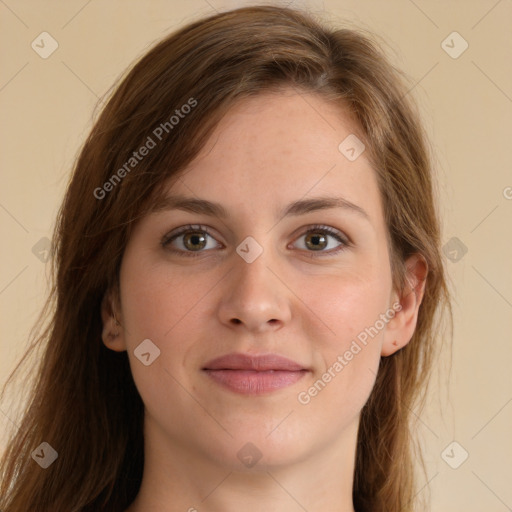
254 296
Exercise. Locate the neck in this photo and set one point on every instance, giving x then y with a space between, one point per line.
177 478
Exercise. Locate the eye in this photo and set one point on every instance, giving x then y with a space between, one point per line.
317 240
190 240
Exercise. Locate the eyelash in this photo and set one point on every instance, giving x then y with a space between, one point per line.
325 230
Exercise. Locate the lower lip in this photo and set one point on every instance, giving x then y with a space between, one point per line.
251 382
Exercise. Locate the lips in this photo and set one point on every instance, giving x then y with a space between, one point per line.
253 375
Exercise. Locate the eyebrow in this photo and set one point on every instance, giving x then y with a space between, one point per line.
301 207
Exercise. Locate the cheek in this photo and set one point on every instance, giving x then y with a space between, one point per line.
348 355
157 303
330 309
165 309
346 305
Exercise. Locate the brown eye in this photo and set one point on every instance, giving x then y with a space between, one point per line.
194 241
320 239
190 241
316 241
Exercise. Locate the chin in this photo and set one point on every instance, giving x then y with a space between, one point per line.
254 449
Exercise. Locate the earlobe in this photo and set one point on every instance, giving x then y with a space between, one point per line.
112 333
400 328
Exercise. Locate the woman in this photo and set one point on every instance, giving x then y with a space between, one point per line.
247 274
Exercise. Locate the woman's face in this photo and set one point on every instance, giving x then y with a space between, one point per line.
258 274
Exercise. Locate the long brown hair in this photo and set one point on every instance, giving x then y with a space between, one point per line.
83 401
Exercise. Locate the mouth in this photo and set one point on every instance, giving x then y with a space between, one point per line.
254 375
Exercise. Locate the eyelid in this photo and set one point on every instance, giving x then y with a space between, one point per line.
169 237
343 239
325 229
185 229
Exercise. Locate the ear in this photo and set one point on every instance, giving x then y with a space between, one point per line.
113 334
400 328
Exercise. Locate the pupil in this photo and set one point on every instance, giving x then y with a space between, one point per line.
316 239
196 239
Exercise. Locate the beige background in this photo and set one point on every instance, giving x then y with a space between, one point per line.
47 107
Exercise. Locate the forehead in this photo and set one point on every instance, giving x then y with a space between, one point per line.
278 147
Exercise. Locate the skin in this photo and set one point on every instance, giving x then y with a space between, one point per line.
304 304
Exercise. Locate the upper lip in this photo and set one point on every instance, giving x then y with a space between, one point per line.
240 361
